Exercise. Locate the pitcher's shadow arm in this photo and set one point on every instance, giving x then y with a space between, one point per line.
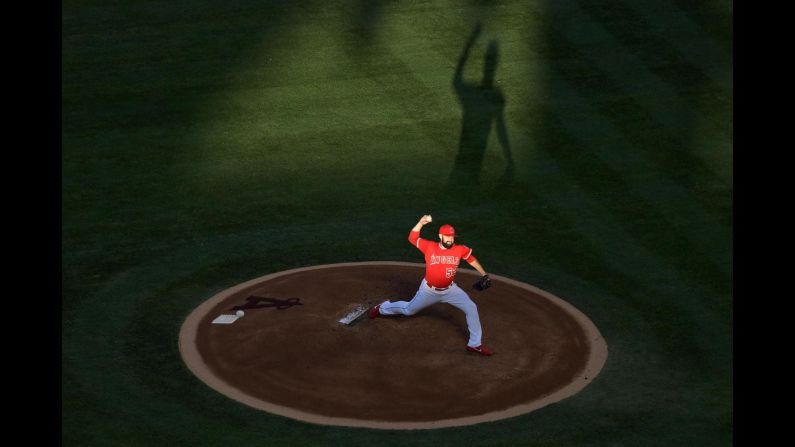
458 78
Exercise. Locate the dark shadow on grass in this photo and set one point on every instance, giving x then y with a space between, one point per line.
483 105
361 32
366 18
599 124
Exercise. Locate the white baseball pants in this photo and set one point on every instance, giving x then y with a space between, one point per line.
426 296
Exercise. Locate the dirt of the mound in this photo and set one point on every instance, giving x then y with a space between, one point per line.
290 350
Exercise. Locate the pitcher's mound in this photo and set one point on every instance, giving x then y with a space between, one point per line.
289 354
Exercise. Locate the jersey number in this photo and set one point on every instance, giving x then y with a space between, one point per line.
449 272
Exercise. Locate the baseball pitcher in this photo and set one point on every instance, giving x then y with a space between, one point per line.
441 265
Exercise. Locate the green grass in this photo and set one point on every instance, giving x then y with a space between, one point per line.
207 143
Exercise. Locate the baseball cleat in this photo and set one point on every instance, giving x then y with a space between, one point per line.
480 350
374 311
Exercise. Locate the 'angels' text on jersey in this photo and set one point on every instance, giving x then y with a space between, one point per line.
444 260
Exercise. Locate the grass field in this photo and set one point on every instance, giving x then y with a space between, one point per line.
208 143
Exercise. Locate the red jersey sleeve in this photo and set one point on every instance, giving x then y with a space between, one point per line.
466 254
417 241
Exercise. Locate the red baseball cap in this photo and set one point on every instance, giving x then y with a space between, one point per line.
447 230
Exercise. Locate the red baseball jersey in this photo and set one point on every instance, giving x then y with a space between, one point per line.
441 264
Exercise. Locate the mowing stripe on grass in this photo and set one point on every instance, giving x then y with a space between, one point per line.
628 71
597 135
688 37
662 34
667 288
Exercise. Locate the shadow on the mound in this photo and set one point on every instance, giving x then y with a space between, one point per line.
439 312
258 302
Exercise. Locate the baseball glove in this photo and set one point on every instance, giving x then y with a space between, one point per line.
483 283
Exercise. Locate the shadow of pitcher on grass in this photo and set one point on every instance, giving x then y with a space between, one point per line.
483 106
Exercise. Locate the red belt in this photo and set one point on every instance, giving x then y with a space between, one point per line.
436 288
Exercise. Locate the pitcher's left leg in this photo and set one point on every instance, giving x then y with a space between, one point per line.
458 298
